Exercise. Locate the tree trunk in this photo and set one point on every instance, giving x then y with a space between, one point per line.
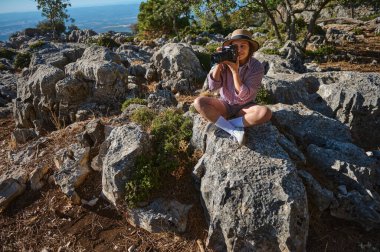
313 20
292 29
272 19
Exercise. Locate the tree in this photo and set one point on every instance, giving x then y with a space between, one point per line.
55 11
163 16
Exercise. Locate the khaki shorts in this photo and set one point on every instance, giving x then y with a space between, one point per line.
233 110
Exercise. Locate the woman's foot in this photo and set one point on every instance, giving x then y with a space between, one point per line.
239 135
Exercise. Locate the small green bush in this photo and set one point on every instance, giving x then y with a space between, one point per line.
202 41
2 67
211 48
263 96
22 60
170 130
321 51
107 41
8 54
127 102
369 17
143 116
37 44
358 31
143 181
271 51
46 27
205 60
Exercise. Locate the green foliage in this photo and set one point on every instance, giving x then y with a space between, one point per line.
271 51
169 128
157 17
143 181
6 53
170 132
2 67
263 97
358 31
143 116
321 51
106 41
369 17
205 60
22 60
211 48
46 26
55 11
37 44
127 102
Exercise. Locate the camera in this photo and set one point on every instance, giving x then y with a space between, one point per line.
229 53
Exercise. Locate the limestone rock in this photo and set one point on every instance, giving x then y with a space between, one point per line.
160 216
252 195
73 168
118 154
178 66
12 184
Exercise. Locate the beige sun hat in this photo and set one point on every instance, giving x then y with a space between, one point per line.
242 35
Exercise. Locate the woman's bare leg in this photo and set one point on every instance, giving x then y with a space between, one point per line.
210 108
255 114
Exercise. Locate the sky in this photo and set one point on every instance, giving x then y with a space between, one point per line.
30 5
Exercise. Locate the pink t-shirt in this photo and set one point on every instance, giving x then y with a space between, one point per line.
250 74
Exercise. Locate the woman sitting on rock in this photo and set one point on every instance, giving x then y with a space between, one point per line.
239 83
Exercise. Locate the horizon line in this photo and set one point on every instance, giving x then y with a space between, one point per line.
79 7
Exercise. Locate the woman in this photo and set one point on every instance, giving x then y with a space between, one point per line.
238 82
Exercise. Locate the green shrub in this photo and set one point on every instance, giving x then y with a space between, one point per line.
271 51
8 54
127 102
205 60
37 44
169 128
263 96
369 17
45 26
321 51
107 41
143 116
202 41
211 48
143 181
2 67
22 60
170 131
358 31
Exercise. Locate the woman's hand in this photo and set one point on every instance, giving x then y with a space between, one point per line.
233 66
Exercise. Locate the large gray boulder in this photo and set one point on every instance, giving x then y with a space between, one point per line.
119 152
36 96
178 66
103 67
57 55
50 97
352 98
252 195
329 150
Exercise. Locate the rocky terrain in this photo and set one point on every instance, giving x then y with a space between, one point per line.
307 180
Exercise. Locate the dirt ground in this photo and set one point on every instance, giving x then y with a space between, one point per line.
47 221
